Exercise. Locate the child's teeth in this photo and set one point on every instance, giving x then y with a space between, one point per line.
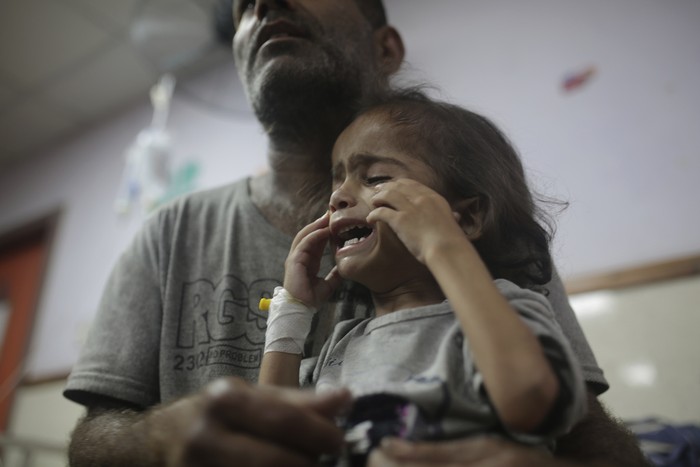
353 241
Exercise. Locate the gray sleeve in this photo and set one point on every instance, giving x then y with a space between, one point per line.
121 354
566 318
539 316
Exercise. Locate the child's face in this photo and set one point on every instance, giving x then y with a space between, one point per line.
365 155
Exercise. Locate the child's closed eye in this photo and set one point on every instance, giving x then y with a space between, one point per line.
376 180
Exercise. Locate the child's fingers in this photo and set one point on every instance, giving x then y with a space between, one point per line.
314 242
403 185
319 223
399 192
388 198
324 288
308 252
383 214
413 199
333 279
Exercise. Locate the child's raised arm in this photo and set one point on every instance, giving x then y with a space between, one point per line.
293 306
519 379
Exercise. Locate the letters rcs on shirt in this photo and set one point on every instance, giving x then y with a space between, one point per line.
220 324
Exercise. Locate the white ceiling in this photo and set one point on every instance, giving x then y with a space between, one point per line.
65 64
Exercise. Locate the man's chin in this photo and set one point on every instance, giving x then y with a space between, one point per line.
297 96
289 61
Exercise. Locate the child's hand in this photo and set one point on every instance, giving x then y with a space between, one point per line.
304 261
420 217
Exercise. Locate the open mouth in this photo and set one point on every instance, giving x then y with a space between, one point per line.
281 36
278 30
352 235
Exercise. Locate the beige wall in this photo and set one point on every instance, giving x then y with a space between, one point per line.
41 414
646 340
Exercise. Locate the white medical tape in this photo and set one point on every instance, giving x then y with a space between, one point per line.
288 323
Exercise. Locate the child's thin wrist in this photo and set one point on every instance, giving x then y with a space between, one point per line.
448 248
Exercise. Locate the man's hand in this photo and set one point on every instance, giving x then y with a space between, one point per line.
230 422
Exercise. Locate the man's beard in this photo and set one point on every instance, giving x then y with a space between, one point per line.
298 99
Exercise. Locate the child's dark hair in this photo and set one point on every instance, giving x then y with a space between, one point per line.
472 158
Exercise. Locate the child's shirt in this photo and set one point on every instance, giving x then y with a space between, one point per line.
421 355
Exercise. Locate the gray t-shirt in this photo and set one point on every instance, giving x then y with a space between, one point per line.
421 355
181 306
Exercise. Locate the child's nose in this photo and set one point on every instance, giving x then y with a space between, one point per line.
339 200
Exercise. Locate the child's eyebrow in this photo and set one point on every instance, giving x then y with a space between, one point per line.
357 161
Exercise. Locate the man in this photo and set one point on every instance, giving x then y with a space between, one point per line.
163 374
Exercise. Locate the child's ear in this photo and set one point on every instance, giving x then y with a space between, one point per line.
471 216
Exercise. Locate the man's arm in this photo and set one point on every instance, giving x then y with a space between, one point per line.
110 434
228 423
601 436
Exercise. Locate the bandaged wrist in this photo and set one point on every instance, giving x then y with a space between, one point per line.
288 323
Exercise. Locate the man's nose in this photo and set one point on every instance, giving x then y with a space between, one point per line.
263 7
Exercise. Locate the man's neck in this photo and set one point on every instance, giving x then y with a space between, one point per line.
296 189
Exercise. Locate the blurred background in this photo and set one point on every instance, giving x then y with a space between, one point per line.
110 108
